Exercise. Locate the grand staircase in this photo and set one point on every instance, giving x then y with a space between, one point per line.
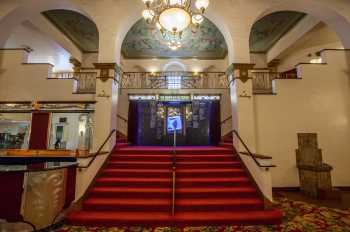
135 189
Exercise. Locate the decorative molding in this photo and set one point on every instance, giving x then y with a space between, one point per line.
108 71
103 94
76 64
240 71
44 196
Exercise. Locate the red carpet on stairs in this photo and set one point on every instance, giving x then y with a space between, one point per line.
135 189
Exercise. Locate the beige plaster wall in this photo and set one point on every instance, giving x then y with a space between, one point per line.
259 59
317 103
158 65
28 82
318 38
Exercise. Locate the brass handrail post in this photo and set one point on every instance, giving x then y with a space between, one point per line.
174 186
174 175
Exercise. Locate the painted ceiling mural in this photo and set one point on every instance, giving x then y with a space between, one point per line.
268 30
78 28
145 41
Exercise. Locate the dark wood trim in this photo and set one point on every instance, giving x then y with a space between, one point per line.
66 102
343 188
67 111
310 63
41 169
261 69
15 102
88 68
288 189
38 64
15 111
50 78
46 110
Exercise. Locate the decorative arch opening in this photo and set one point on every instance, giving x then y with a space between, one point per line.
282 39
37 33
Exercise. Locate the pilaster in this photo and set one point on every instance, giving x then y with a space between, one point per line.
242 100
106 103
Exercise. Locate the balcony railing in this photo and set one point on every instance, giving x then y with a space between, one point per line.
84 82
263 82
181 80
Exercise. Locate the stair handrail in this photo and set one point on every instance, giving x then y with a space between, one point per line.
174 174
251 154
98 151
122 118
226 120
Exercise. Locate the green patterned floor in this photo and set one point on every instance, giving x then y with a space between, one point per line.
298 216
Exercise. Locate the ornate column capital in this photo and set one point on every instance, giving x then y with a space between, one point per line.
76 64
272 65
107 71
240 71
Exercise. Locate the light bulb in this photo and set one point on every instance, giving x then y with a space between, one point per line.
148 15
174 19
202 4
148 2
197 19
176 2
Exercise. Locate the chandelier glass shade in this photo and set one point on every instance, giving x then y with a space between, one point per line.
172 17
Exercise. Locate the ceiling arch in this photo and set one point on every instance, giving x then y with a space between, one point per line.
77 27
145 41
328 12
269 29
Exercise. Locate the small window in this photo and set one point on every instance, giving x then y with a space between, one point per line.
174 82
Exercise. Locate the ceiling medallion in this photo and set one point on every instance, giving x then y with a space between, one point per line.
172 17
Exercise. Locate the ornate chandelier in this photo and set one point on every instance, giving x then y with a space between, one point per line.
172 17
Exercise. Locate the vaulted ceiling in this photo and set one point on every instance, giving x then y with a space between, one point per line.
144 41
78 28
268 30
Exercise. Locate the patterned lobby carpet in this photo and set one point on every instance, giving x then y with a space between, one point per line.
298 216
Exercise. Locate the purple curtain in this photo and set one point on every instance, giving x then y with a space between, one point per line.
133 122
214 123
